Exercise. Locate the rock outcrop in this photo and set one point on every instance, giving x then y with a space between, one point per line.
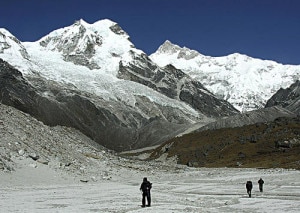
288 98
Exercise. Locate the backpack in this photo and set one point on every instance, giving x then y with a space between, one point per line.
249 185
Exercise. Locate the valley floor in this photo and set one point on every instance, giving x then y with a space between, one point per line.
181 189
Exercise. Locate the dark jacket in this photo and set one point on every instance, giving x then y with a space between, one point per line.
146 186
249 185
260 182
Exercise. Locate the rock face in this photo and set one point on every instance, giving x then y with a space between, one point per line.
77 44
288 98
175 84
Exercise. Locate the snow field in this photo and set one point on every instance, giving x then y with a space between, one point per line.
184 190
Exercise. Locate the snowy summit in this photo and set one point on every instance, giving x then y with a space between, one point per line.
245 82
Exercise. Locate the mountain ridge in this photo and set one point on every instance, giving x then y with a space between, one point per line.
245 82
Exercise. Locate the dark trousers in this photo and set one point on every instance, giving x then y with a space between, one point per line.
261 188
249 192
146 194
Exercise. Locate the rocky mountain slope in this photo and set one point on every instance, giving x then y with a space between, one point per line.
288 98
103 121
248 118
247 83
23 137
28 147
270 144
250 139
177 85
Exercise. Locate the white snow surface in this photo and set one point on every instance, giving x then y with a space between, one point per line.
245 82
178 189
13 51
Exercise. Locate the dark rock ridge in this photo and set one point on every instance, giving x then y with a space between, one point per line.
288 98
111 123
248 118
175 84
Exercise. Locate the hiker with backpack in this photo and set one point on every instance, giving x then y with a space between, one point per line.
145 188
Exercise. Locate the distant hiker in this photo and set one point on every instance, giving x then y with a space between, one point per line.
260 184
145 188
249 187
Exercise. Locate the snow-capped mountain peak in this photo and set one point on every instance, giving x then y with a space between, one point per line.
81 31
245 82
169 48
90 45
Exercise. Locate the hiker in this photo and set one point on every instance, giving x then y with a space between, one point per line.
145 188
260 184
249 187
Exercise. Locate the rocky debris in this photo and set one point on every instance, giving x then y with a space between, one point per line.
46 162
294 142
34 156
59 147
27 142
